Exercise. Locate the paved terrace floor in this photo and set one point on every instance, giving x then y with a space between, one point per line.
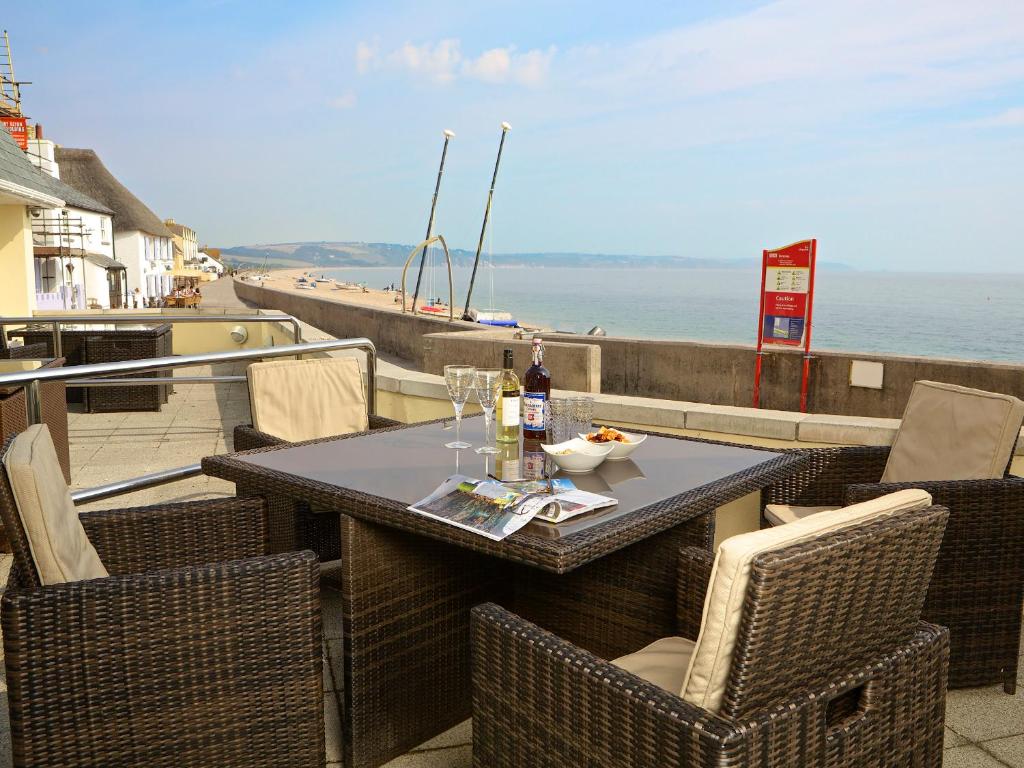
985 727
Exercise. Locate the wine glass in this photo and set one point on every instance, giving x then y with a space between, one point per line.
460 379
488 387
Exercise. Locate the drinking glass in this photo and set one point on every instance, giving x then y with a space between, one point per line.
488 388
459 379
582 413
560 422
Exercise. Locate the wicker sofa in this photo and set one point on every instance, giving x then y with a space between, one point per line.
197 649
977 590
830 667
332 403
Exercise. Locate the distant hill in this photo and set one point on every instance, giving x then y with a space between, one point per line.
334 254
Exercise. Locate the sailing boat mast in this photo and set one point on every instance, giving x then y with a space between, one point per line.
448 136
505 128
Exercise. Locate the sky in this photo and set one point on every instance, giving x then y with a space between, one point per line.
891 131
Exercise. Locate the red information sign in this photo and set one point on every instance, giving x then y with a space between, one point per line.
18 128
787 298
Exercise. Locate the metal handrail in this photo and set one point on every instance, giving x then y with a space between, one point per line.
56 321
30 379
94 375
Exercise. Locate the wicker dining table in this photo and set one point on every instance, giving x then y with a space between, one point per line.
605 580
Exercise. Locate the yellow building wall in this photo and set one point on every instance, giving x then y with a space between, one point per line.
17 280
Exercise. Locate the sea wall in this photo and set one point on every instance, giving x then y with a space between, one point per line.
719 374
724 374
392 332
574 367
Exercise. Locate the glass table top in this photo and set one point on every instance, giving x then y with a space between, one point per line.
405 465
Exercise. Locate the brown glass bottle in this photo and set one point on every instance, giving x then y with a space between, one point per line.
536 393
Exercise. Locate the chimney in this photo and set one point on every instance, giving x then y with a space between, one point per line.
39 131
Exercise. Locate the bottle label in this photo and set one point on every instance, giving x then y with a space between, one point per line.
510 411
510 470
533 465
533 411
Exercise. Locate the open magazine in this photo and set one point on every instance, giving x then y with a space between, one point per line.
496 510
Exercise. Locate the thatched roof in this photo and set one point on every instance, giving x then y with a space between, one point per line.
83 170
17 168
75 199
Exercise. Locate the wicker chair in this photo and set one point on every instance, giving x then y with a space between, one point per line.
977 590
23 352
196 650
325 384
841 676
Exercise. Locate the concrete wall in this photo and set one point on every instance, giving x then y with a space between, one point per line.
575 367
392 332
717 374
724 375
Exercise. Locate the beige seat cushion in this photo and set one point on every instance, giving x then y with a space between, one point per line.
954 433
663 662
708 674
780 514
57 542
299 400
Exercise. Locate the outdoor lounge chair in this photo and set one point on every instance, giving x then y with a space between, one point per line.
292 401
957 444
157 636
807 650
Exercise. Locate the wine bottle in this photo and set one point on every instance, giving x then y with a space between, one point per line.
507 417
506 463
536 392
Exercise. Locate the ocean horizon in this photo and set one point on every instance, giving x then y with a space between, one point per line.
961 316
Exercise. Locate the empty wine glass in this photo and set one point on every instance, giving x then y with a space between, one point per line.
488 387
460 380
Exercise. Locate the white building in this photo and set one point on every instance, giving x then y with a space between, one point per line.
209 264
75 264
141 241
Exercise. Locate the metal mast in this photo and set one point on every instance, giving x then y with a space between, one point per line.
505 128
448 136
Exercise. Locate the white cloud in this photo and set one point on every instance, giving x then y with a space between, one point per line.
366 54
346 100
491 66
922 50
1012 117
436 62
444 62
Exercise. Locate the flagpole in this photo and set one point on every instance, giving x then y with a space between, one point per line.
505 128
448 135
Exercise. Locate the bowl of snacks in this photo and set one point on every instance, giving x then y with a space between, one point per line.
577 455
622 443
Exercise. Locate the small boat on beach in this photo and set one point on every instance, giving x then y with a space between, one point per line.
493 317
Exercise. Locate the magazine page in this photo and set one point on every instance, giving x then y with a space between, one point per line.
568 500
569 504
488 508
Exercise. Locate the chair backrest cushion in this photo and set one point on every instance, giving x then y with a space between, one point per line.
298 400
954 433
59 547
706 679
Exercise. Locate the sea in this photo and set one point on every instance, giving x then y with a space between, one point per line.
964 316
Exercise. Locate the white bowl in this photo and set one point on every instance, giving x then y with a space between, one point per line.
619 450
585 456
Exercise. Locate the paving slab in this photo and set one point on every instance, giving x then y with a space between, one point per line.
1010 750
983 714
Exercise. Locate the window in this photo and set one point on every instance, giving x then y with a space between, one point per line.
104 237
